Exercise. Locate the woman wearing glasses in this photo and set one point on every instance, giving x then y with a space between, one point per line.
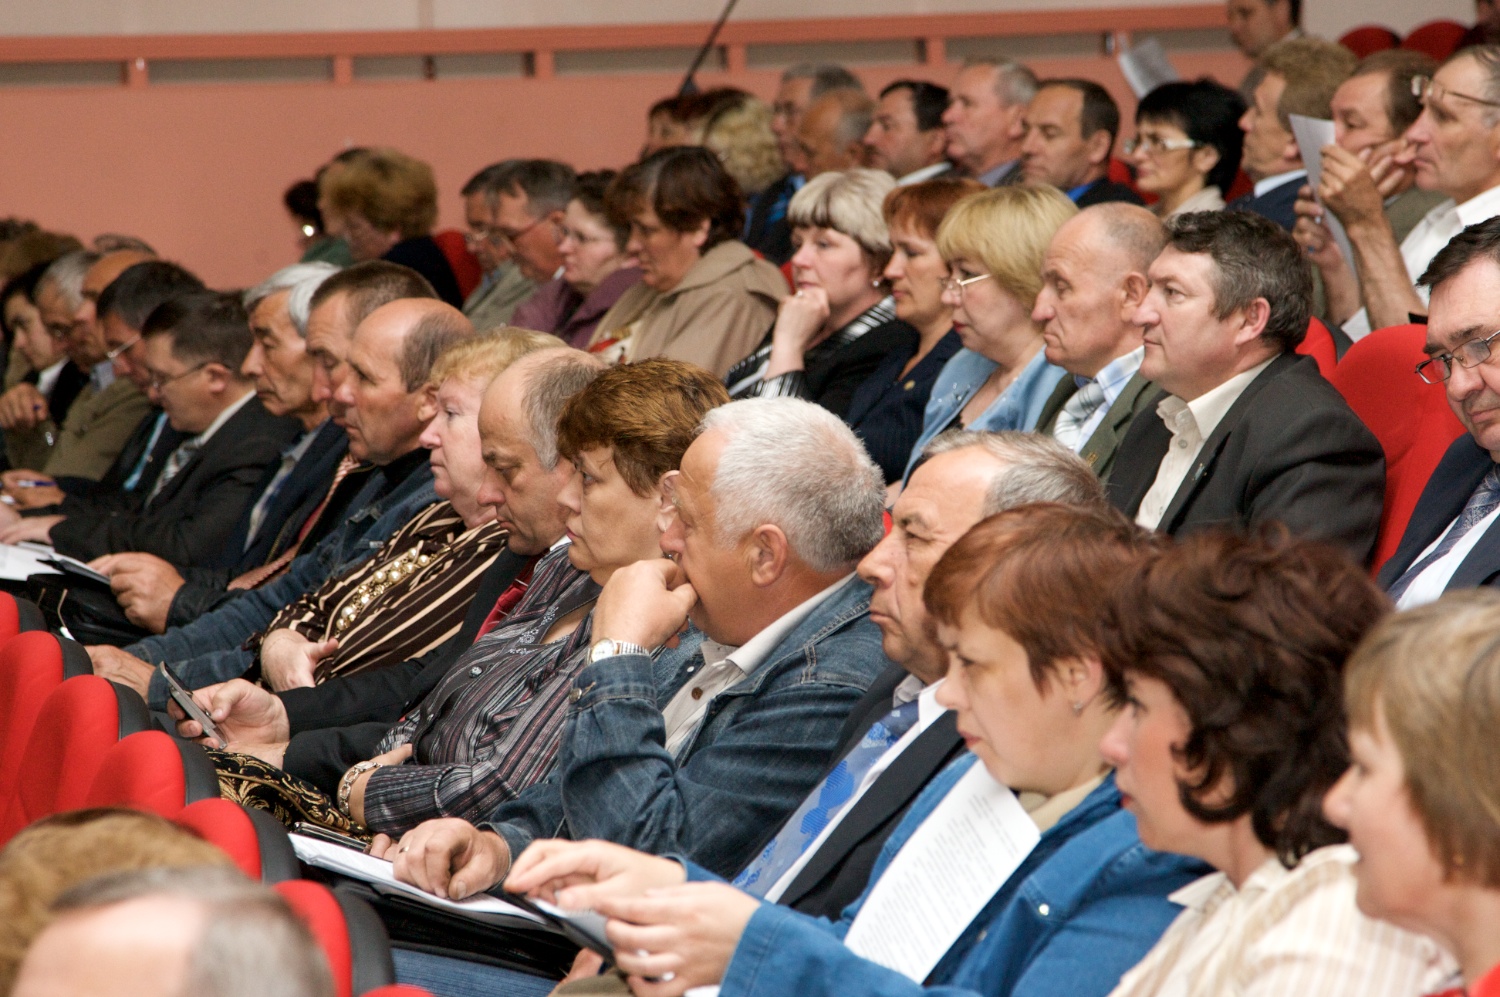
596 270
993 243
1186 148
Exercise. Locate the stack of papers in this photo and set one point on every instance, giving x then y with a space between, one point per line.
19 562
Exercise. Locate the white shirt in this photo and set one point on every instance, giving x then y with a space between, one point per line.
223 417
925 173
725 667
1434 579
1207 199
1436 229
1191 424
1271 183
289 459
928 710
46 378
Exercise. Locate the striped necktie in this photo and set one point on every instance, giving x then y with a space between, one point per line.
1068 430
1485 500
175 462
256 577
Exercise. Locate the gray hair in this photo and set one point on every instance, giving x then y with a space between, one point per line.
826 77
847 201
1036 468
798 466
66 273
552 377
302 279
252 945
1487 57
1015 83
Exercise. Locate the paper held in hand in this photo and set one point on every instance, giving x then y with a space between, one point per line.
943 876
1312 135
19 562
1145 67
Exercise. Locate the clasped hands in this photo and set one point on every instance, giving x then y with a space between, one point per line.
1354 186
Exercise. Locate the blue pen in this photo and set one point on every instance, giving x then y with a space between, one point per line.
38 483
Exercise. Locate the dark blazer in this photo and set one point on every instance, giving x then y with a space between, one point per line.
1105 191
1139 395
189 521
1275 204
839 871
832 379
886 410
302 491
1460 471
767 230
340 722
424 256
112 485
1288 450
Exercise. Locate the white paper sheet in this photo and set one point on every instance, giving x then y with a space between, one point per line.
1312 135
1145 67
17 563
943 876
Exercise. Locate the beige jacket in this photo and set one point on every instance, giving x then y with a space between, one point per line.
96 429
714 317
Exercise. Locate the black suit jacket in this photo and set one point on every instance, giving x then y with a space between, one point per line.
1289 450
189 521
838 872
340 722
1106 191
111 487
1275 204
1462 468
833 378
304 488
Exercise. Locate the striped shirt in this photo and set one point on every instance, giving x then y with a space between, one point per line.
747 378
407 599
494 724
1284 932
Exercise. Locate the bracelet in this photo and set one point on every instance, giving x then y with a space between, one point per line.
346 784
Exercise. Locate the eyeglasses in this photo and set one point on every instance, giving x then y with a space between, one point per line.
478 237
1471 354
957 285
114 354
1155 145
499 233
158 381
1425 88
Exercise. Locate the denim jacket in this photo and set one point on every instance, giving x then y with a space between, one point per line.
763 744
1018 407
209 649
1086 905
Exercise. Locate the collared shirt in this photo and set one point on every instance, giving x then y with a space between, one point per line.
1111 380
102 375
925 173
213 427
1191 424
995 174
1434 579
46 378
1284 931
289 458
1431 234
725 667
1262 187
928 710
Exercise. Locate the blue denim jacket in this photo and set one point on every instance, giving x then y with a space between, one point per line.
209 649
762 745
1018 407
1086 905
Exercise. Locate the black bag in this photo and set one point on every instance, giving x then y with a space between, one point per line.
87 608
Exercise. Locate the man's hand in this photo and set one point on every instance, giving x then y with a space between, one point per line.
1349 189
22 407
396 756
144 585
37 529
30 490
117 666
674 939
644 603
288 659
248 716
576 875
447 857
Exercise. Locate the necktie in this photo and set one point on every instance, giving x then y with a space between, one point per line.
1485 500
176 461
145 459
1068 430
259 576
507 601
826 803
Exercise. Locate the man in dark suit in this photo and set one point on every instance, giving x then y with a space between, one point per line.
1450 540
1070 133
1249 431
1093 282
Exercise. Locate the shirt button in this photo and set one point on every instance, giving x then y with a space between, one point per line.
1043 909
697 693
476 671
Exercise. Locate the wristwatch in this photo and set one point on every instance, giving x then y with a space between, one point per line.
346 784
607 648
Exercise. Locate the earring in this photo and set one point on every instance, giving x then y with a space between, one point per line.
1077 709
875 282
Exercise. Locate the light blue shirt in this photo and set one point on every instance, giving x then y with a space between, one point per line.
1112 380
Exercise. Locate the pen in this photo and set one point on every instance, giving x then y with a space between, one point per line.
38 483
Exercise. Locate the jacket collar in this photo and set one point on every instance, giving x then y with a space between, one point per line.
713 266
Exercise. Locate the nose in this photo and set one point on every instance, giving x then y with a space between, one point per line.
322 390
1146 314
432 437
1043 311
1247 120
950 296
950 695
803 257
896 268
489 488
672 538
570 496
1463 382
950 114
252 364
342 392
1113 746
1336 801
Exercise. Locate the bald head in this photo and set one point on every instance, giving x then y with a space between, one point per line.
831 133
1127 229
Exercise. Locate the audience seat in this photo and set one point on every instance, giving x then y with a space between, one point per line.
253 838
19 616
77 724
1120 172
1438 39
1369 39
465 267
1410 417
153 771
1319 344
1242 185
350 934
31 665
398 990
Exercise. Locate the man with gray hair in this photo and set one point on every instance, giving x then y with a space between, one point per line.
166 932
763 645
504 287
985 119
529 205
831 134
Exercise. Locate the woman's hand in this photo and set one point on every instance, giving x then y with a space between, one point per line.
576 875
799 327
687 934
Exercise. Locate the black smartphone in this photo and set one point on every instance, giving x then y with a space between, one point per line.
184 699
329 835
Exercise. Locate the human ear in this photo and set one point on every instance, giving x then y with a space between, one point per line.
768 551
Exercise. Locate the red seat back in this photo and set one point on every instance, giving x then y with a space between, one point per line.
254 839
1438 39
1120 172
398 990
10 617
1370 38
1318 344
151 771
350 934
31 666
465 267
1411 419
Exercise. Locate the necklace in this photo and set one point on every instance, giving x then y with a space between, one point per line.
375 586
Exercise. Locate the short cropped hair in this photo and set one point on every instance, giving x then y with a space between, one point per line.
1037 469
1253 258
1433 675
1040 573
1015 83
491 180
547 185
481 358
301 279
1399 66
140 288
847 201
433 334
1099 112
685 186
1487 57
921 207
1478 241
1208 113
113 242
826 77
553 378
210 327
66 273
1007 230
1250 634
394 192
369 285
1313 69
928 101
796 465
647 413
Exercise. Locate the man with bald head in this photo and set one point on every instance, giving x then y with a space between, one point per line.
1093 281
831 133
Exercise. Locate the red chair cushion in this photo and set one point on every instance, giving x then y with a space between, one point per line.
1369 39
465 267
1438 39
1411 419
226 826
78 722
397 990
320 910
1318 344
10 617
144 772
31 666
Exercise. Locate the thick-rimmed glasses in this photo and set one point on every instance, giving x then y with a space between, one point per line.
1155 145
1470 354
1424 88
957 285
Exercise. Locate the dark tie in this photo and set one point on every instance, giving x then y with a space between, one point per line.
1485 500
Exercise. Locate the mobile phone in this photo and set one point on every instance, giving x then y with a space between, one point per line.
329 835
583 928
184 699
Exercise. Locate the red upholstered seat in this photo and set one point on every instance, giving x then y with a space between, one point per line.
1411 419
1318 344
1438 39
151 771
31 666
1369 38
350 934
398 990
465 266
253 838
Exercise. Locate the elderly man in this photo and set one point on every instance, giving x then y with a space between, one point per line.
504 287
906 138
1093 283
831 134
1299 76
985 120
1451 541
1070 133
528 213
1454 149
1249 432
